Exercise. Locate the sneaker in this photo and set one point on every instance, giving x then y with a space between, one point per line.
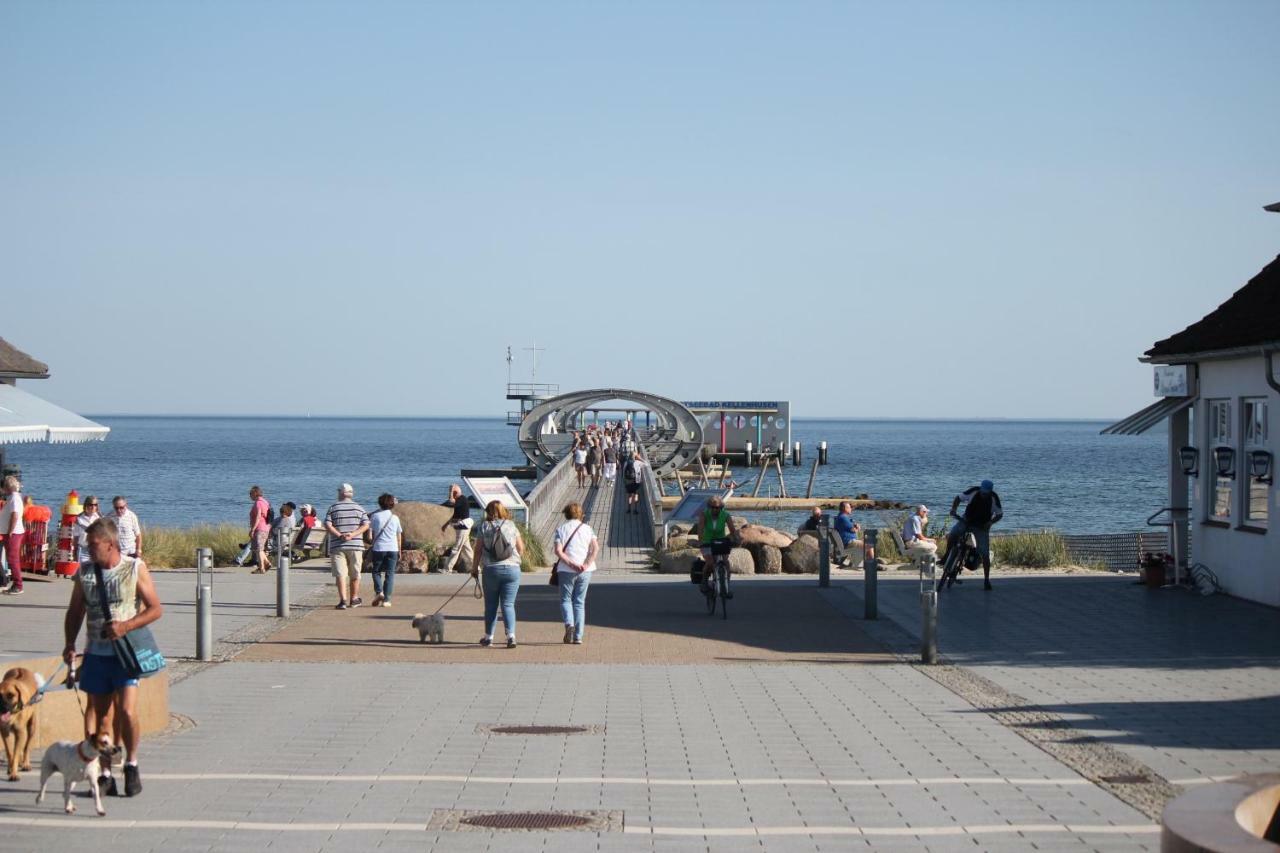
577 641
132 781
13 590
386 602
377 600
341 605
511 642
986 584
357 601
107 786
486 641
568 634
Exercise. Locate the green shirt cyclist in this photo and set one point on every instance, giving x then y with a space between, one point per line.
715 531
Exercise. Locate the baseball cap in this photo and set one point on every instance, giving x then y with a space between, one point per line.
987 486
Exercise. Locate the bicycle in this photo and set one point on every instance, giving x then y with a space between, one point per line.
717 578
963 555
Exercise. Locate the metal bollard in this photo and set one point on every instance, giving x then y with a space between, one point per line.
824 554
749 454
822 453
283 555
795 454
928 612
204 604
870 576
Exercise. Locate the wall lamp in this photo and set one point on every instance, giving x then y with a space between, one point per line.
1260 462
1224 460
1190 459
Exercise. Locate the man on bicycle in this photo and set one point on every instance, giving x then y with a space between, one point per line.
716 532
982 509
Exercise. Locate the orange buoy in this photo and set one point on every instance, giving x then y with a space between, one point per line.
67 563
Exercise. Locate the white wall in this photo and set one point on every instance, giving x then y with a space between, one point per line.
1247 564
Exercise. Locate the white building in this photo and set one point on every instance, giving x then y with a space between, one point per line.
1219 389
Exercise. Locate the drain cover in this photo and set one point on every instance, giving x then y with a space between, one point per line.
1131 779
539 730
527 820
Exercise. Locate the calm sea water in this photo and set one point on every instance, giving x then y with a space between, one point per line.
180 471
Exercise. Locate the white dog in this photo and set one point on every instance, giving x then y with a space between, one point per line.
77 762
430 628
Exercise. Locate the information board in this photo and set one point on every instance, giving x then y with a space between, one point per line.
501 489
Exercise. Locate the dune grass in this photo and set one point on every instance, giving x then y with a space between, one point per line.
1038 550
175 547
535 553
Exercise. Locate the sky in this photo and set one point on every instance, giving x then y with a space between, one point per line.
894 209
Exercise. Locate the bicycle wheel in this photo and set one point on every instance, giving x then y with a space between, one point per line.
711 594
948 569
723 572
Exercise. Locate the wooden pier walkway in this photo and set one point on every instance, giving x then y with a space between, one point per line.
625 542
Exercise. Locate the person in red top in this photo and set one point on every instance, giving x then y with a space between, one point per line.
258 527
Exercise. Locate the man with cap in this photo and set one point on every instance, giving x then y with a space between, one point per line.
346 521
919 546
982 509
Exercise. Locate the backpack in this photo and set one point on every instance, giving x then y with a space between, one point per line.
629 471
500 548
271 515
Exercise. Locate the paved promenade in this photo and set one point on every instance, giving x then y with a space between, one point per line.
341 730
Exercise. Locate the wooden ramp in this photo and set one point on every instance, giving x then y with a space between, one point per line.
625 543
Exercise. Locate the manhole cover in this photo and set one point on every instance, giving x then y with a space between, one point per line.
1130 779
539 730
527 820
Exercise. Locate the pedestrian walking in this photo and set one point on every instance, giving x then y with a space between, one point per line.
631 473
129 527
580 463
11 526
259 526
501 548
460 554
388 542
576 547
88 515
593 461
610 462
345 522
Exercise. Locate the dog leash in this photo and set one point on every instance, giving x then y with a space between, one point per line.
477 593
43 687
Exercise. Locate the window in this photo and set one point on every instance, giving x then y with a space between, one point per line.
1219 488
1253 423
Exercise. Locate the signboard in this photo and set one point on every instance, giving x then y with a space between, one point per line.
692 503
731 405
1173 380
486 489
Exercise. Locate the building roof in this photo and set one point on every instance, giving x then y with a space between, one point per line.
1251 317
16 364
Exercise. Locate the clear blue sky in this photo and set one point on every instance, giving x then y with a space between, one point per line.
822 202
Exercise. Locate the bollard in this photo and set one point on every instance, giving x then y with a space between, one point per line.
283 557
795 454
870 575
822 453
782 451
749 454
824 554
204 604
928 612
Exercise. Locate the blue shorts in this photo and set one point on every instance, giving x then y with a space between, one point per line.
102 674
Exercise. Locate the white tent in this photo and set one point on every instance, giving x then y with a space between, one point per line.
25 417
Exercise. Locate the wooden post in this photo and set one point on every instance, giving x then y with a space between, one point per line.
724 471
808 493
760 478
702 469
782 483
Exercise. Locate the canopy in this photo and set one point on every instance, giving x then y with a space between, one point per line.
25 417
1144 419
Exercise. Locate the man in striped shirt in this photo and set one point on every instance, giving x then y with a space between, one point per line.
346 521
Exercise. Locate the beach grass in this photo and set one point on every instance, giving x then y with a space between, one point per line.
175 547
535 553
1043 549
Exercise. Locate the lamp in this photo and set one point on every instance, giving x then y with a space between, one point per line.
1260 465
1190 458
1224 460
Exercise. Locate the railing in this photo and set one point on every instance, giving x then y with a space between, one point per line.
651 506
515 418
531 389
548 497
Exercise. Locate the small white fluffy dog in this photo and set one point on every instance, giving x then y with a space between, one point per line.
77 762
430 628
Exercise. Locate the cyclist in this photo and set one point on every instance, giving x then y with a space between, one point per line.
714 529
982 509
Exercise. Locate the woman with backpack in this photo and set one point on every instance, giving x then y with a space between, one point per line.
498 556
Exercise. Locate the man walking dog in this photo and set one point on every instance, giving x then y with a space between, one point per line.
133 603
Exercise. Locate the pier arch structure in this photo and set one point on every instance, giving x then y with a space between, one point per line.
671 437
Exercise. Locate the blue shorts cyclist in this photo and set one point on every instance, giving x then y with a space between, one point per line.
982 509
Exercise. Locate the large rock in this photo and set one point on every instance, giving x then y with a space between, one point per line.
422 522
757 534
413 563
741 563
801 556
677 562
767 558
678 528
677 543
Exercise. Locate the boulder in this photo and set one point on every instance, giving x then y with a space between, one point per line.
678 528
758 534
741 562
422 522
739 521
413 563
801 556
677 543
767 558
677 562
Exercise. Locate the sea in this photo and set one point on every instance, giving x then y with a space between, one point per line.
183 471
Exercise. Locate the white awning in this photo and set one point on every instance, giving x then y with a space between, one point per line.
25 417
1141 421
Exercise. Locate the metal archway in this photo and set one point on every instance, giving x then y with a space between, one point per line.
671 442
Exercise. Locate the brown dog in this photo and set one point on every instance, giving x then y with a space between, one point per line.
18 718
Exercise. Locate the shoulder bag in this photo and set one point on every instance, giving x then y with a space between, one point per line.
137 650
555 567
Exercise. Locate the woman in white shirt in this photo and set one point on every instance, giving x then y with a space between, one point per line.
388 540
13 531
576 547
88 515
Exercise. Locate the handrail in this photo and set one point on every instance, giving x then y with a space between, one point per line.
1151 519
653 497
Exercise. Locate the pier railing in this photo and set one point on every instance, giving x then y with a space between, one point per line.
651 505
549 497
